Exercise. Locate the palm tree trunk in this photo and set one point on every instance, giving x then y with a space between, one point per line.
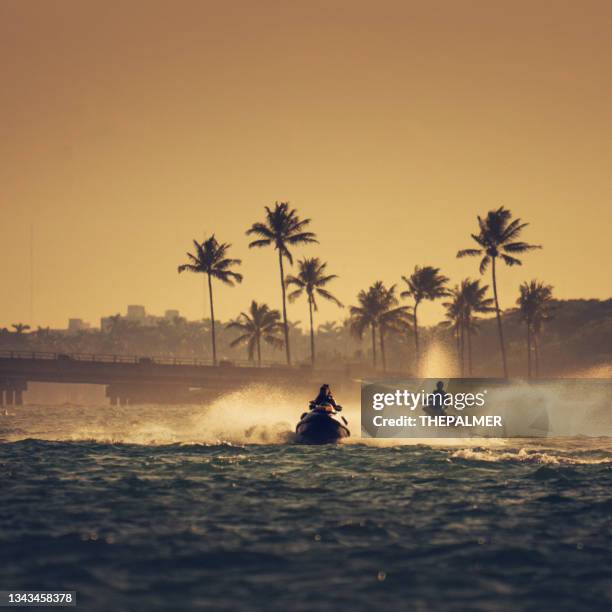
462 344
458 340
528 350
212 321
469 346
373 345
383 357
416 339
285 325
258 351
536 346
312 341
500 329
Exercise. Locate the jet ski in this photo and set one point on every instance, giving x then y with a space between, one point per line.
321 425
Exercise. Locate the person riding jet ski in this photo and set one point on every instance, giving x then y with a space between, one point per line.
436 408
325 398
321 424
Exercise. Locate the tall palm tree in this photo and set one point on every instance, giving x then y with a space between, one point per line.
423 284
260 323
378 309
534 304
311 280
210 258
282 228
497 237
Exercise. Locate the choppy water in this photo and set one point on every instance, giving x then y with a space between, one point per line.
97 500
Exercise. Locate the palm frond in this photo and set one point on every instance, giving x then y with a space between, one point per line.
328 296
188 267
260 243
469 253
511 261
484 264
520 247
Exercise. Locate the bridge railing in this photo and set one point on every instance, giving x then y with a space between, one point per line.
137 359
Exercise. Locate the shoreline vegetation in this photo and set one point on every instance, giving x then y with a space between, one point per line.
578 338
380 331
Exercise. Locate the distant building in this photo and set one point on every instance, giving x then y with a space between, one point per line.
136 313
76 325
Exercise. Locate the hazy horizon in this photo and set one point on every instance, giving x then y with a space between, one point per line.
127 133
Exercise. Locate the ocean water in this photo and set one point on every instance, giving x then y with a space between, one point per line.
184 508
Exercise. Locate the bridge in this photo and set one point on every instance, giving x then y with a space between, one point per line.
134 379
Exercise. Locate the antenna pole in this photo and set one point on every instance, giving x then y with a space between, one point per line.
31 274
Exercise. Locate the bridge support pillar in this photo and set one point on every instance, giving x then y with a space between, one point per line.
11 391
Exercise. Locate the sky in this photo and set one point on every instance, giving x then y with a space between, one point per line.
130 128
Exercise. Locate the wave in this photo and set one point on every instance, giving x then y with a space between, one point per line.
528 455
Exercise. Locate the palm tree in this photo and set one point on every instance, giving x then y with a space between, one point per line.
454 318
468 298
21 339
474 300
311 280
365 315
282 228
534 304
423 284
211 259
544 312
391 317
20 328
259 324
330 328
378 309
497 237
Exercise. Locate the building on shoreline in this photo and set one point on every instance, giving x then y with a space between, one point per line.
137 313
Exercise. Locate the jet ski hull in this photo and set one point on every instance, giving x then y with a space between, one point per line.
320 428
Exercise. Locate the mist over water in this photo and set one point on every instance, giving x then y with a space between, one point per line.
260 415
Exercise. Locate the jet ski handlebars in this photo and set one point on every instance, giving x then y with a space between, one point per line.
325 407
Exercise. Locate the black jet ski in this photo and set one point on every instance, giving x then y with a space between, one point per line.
321 426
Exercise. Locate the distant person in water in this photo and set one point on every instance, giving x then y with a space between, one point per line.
325 398
435 406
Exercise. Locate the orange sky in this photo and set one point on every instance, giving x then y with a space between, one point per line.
128 128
